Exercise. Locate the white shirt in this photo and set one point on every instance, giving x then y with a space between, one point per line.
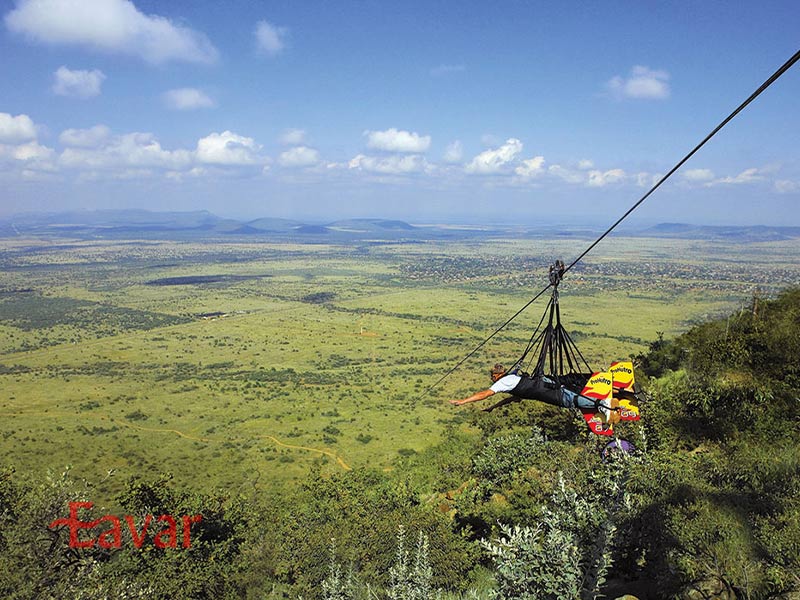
505 383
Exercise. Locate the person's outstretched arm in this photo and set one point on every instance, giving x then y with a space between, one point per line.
474 398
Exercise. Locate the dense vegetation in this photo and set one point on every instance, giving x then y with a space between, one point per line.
512 504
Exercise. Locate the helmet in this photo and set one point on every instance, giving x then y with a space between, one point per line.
618 446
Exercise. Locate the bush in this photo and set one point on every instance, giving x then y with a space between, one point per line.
362 510
568 553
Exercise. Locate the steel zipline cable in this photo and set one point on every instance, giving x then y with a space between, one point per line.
772 79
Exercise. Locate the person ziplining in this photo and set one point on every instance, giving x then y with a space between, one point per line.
602 397
605 397
561 270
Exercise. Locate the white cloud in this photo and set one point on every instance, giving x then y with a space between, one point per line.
15 130
603 178
187 99
647 180
643 83
293 137
786 186
95 153
585 164
137 150
301 156
38 172
394 140
698 175
227 148
447 70
454 152
111 26
565 174
390 165
20 148
593 177
85 138
270 39
33 151
78 83
194 172
29 151
747 176
494 161
533 167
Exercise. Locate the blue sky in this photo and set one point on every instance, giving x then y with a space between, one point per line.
426 111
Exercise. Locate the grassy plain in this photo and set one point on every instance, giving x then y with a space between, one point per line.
242 365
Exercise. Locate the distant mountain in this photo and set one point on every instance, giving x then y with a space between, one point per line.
114 223
273 225
228 226
244 230
671 229
201 224
743 233
370 225
147 224
120 218
312 229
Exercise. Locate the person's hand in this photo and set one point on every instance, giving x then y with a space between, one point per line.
456 402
